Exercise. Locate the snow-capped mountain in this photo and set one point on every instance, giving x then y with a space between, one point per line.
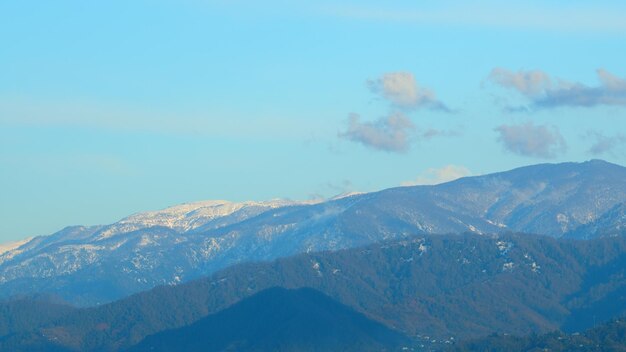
191 216
89 265
180 218
13 245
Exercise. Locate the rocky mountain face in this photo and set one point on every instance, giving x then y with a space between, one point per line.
93 265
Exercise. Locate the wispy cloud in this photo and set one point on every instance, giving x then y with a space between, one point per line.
433 176
70 164
333 190
544 92
114 118
526 139
603 144
493 14
402 91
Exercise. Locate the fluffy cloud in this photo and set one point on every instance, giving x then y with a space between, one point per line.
545 92
403 91
529 83
530 140
392 133
604 144
435 176
395 132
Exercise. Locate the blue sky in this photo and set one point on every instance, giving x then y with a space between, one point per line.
109 108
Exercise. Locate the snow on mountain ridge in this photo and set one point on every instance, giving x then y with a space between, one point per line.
187 216
186 241
13 245
75 247
179 218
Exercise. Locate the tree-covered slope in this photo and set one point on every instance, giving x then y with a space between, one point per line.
278 319
608 337
442 286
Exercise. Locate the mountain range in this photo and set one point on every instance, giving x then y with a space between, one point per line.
434 289
99 264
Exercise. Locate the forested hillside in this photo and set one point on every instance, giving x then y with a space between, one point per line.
442 286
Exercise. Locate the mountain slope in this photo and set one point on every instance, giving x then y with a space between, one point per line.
278 319
609 336
99 264
611 223
27 314
437 286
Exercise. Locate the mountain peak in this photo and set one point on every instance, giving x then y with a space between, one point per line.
296 319
189 216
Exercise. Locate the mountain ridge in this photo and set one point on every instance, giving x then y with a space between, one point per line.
548 199
279 319
428 287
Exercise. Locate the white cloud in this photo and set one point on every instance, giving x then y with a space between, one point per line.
392 133
526 139
545 92
403 91
434 176
530 83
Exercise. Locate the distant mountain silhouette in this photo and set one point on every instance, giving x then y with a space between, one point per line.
278 319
